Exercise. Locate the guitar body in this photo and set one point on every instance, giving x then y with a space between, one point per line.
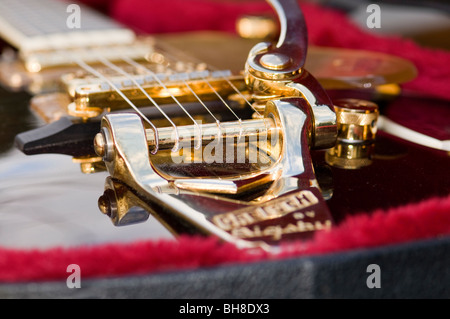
46 202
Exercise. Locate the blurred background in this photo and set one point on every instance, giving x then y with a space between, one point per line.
426 22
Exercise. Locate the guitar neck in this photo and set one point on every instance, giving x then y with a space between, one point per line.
50 36
32 26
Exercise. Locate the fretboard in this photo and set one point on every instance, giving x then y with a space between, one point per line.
31 25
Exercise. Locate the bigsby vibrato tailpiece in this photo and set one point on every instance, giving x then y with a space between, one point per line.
249 181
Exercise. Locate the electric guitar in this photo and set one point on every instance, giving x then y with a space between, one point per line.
260 144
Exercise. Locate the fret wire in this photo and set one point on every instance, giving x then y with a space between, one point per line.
94 72
208 110
141 67
126 74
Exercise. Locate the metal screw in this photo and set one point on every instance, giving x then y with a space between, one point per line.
99 144
104 205
107 203
103 145
275 61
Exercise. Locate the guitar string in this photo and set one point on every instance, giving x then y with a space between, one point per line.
150 72
169 52
91 70
138 66
208 83
219 132
129 76
97 74
143 68
172 55
191 90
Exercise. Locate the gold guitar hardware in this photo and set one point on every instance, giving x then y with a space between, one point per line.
90 164
92 99
210 150
357 128
266 192
212 141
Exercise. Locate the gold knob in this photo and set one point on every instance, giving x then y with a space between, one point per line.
357 128
356 119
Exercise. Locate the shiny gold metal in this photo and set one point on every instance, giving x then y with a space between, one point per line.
275 61
357 128
266 192
392 89
357 119
99 144
254 144
276 71
257 27
50 107
90 165
91 100
120 204
350 156
324 130
192 202
39 60
208 133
